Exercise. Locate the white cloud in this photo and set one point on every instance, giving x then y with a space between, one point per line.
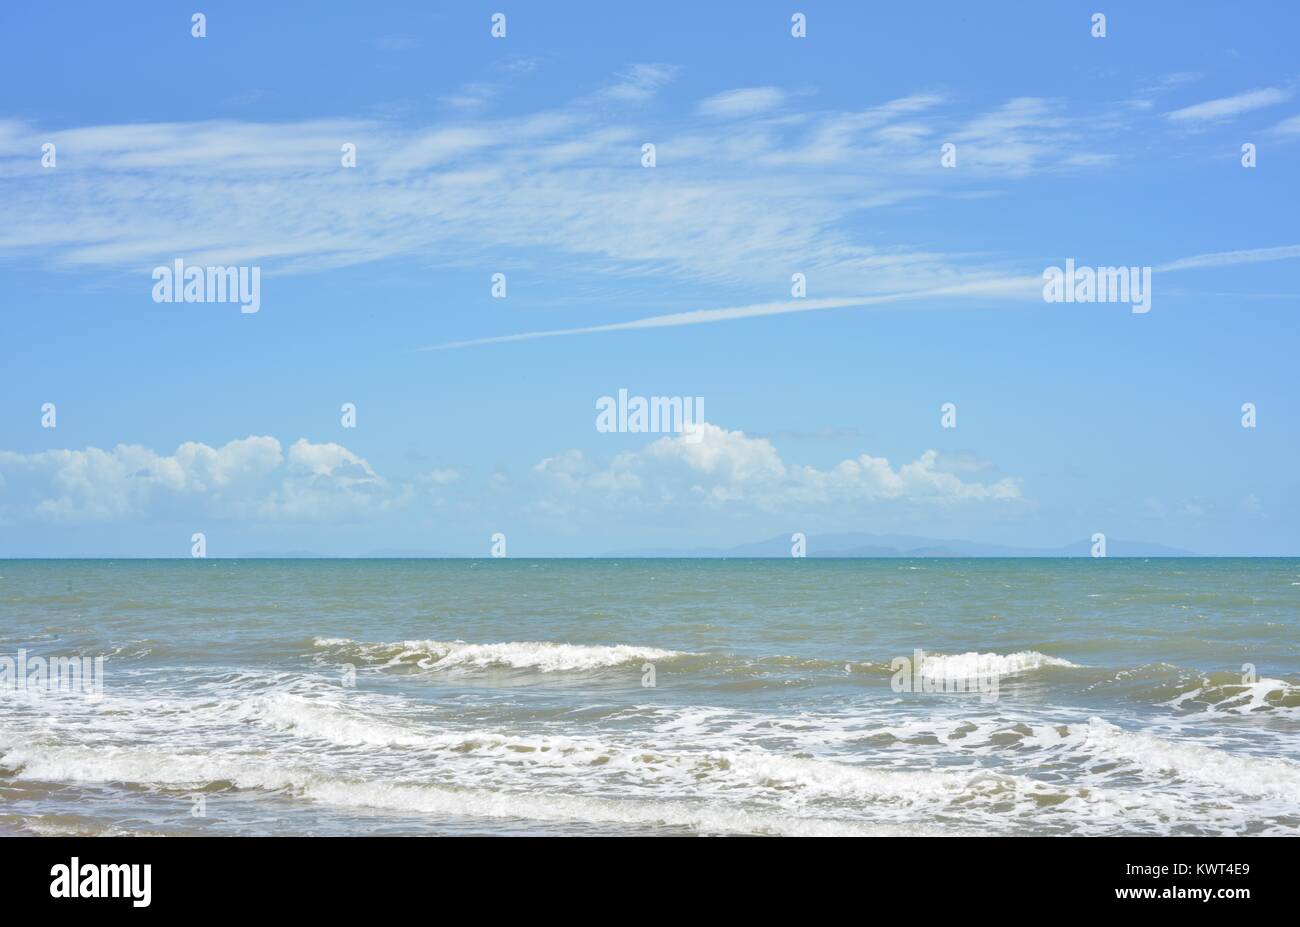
1022 135
255 481
1226 258
639 82
439 146
442 476
1001 287
470 96
251 478
723 468
1287 127
742 102
738 201
1228 107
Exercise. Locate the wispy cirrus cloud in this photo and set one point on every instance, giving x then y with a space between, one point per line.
1001 287
1229 107
729 201
1289 126
1226 258
470 96
745 101
639 82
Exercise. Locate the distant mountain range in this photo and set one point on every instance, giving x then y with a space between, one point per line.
388 553
904 545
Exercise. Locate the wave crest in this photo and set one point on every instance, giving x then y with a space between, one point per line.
542 656
973 665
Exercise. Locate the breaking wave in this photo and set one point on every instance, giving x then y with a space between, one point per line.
542 656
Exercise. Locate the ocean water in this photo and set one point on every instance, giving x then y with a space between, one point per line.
1076 697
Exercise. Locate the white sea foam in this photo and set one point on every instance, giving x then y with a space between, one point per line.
972 665
725 784
323 719
699 817
837 769
43 828
1245 775
187 771
544 656
843 780
1261 695
590 756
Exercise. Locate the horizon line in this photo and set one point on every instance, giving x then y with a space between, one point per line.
681 557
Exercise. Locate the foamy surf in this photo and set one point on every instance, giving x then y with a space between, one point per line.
1240 697
368 750
773 708
542 656
972 665
1244 775
201 772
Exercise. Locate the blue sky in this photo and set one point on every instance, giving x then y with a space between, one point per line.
522 155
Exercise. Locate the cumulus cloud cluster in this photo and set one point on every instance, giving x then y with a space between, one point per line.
253 478
256 479
723 467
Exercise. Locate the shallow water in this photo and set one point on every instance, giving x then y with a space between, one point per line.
512 697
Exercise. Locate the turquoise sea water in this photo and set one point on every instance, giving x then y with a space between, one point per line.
515 696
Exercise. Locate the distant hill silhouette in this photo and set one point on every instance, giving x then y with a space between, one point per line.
901 545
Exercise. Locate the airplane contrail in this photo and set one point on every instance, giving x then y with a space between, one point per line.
1008 286
1005 285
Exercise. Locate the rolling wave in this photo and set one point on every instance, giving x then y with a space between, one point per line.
542 656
